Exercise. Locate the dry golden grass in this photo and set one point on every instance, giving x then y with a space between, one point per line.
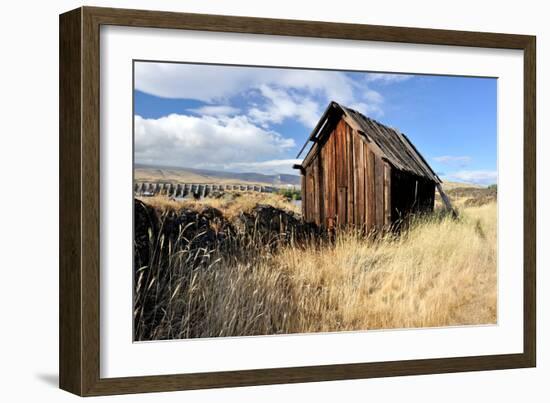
449 185
231 204
439 272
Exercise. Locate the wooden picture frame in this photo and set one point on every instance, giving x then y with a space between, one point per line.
79 348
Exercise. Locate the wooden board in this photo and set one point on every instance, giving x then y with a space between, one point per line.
327 182
310 192
315 190
341 172
342 202
351 174
379 192
319 201
370 181
359 183
341 155
387 195
331 190
303 190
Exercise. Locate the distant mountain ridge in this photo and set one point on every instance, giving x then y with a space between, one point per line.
183 174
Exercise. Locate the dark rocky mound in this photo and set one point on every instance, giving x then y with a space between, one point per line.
270 224
156 231
145 229
172 244
168 243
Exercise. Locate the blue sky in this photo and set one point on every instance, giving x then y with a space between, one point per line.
253 119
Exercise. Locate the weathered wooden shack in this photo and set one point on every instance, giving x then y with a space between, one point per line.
359 172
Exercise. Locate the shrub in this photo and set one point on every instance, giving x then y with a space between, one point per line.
291 193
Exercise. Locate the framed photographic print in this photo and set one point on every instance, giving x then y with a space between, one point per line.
249 201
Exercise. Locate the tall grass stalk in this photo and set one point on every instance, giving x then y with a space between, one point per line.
438 272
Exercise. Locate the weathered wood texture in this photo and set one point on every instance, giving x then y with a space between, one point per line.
349 182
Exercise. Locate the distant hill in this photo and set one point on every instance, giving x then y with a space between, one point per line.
467 194
192 175
447 185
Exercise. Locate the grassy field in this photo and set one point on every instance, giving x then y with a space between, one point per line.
439 272
230 206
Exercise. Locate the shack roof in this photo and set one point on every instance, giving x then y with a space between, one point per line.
388 143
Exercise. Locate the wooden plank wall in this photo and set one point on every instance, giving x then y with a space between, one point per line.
387 195
315 191
370 189
341 170
303 189
357 177
328 172
360 152
319 199
310 194
349 164
347 183
379 192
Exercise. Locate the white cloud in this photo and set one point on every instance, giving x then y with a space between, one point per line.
201 82
373 97
305 90
480 177
460 161
332 85
283 104
387 78
208 141
210 82
216 110
368 109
